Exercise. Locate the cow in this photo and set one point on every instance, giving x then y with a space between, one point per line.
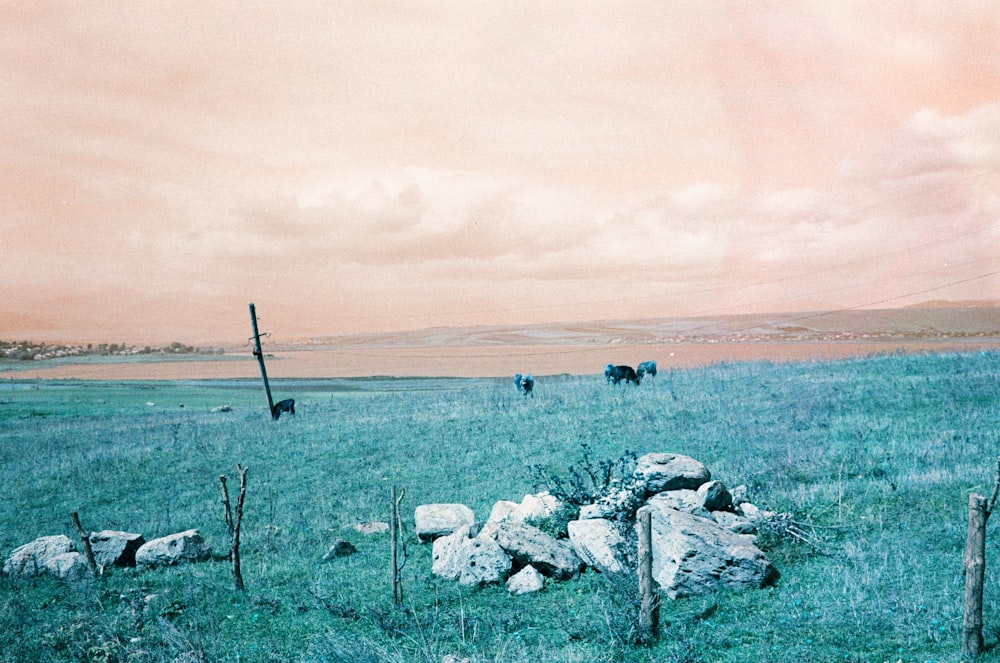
525 384
646 368
616 374
287 405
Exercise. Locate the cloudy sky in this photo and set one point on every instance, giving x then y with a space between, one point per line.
367 166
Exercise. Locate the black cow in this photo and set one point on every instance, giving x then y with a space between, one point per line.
646 368
608 371
287 405
616 374
525 384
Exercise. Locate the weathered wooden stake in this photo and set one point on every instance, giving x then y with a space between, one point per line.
257 352
974 567
649 601
395 529
233 524
85 540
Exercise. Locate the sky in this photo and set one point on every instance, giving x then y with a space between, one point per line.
371 166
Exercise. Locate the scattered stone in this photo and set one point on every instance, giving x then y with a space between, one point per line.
525 581
221 408
187 546
340 548
435 520
598 543
113 548
372 527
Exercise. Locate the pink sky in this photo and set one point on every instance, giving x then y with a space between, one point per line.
367 166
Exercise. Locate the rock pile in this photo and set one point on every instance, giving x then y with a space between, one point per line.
703 534
59 555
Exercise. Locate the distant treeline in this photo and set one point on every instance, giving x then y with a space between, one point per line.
30 351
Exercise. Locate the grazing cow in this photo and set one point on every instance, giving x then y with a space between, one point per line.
646 368
287 405
619 373
525 384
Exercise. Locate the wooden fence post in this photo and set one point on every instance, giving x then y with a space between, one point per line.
974 567
395 527
234 524
85 540
260 360
649 603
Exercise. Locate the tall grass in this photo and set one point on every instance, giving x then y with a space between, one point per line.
877 456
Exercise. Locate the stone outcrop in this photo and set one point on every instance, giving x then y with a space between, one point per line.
187 546
471 561
660 472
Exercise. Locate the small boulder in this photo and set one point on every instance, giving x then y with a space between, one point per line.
714 496
530 545
693 556
340 548
470 561
187 546
113 548
30 559
435 520
598 543
659 472
70 566
525 581
684 499
372 527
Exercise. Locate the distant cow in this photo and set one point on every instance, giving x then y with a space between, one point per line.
616 374
646 368
287 405
525 384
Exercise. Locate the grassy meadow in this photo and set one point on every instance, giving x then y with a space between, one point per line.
874 457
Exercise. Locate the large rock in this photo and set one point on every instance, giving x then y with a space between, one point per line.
659 472
187 546
112 548
598 543
475 561
693 555
34 558
435 520
530 545
684 499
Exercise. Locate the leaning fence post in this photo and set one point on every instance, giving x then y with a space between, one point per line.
649 604
85 540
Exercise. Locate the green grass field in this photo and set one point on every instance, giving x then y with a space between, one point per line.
877 457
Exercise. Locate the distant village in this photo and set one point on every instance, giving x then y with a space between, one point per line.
29 351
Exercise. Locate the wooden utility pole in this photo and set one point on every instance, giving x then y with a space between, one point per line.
260 359
649 603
